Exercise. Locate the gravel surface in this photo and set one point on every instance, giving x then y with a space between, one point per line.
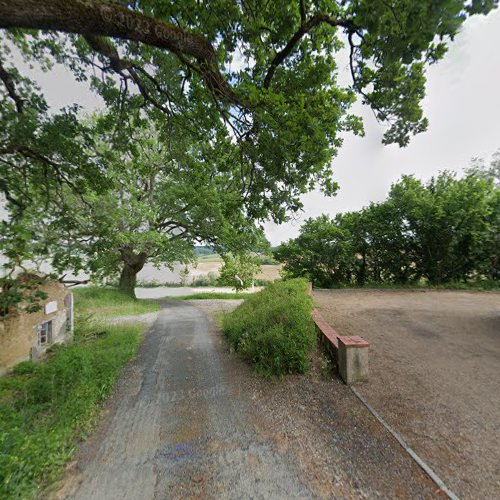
190 420
434 375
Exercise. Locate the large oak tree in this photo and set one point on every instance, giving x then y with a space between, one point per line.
268 70
257 80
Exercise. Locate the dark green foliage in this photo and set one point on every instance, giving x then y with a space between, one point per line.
273 329
272 85
22 292
45 408
443 231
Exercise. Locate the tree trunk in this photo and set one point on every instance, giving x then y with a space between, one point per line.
92 17
132 264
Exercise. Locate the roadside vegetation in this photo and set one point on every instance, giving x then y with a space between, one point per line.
110 302
441 233
46 408
273 329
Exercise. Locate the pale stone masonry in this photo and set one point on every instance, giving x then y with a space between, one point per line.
352 359
25 336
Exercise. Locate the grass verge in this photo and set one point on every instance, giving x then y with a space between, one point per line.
110 302
46 408
273 329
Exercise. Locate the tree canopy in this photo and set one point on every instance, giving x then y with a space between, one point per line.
167 192
238 271
267 70
250 88
442 231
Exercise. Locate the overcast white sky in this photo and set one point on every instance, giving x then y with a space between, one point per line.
462 104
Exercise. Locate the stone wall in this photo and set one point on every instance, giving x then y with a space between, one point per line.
18 332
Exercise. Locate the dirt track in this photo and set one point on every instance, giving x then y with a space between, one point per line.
190 420
434 374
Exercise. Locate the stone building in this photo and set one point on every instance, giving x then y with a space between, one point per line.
25 336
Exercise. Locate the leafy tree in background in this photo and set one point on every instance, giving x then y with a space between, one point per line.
239 270
442 231
323 253
166 194
447 220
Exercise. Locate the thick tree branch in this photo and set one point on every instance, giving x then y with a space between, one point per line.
107 49
305 27
70 283
302 5
8 81
92 17
29 153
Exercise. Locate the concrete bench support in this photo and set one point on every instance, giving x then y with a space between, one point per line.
353 359
350 353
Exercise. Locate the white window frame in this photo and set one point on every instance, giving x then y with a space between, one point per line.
44 333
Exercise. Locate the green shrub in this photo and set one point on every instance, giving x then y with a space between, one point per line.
273 329
46 408
209 279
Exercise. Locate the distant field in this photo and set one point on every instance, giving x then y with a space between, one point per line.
211 258
212 263
206 264
270 272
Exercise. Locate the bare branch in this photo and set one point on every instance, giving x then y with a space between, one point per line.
305 27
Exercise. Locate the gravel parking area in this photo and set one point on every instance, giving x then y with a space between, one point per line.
434 374
190 420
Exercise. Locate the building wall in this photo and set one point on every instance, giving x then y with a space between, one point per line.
18 332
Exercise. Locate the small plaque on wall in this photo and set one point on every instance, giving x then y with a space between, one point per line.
51 307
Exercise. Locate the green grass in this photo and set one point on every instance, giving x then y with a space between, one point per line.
110 302
211 295
273 329
46 408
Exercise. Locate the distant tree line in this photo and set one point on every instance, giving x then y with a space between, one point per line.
445 230
200 250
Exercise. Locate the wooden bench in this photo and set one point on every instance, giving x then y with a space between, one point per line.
350 353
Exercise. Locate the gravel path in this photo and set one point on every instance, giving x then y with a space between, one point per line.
434 375
190 420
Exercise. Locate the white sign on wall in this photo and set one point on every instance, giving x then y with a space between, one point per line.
51 307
